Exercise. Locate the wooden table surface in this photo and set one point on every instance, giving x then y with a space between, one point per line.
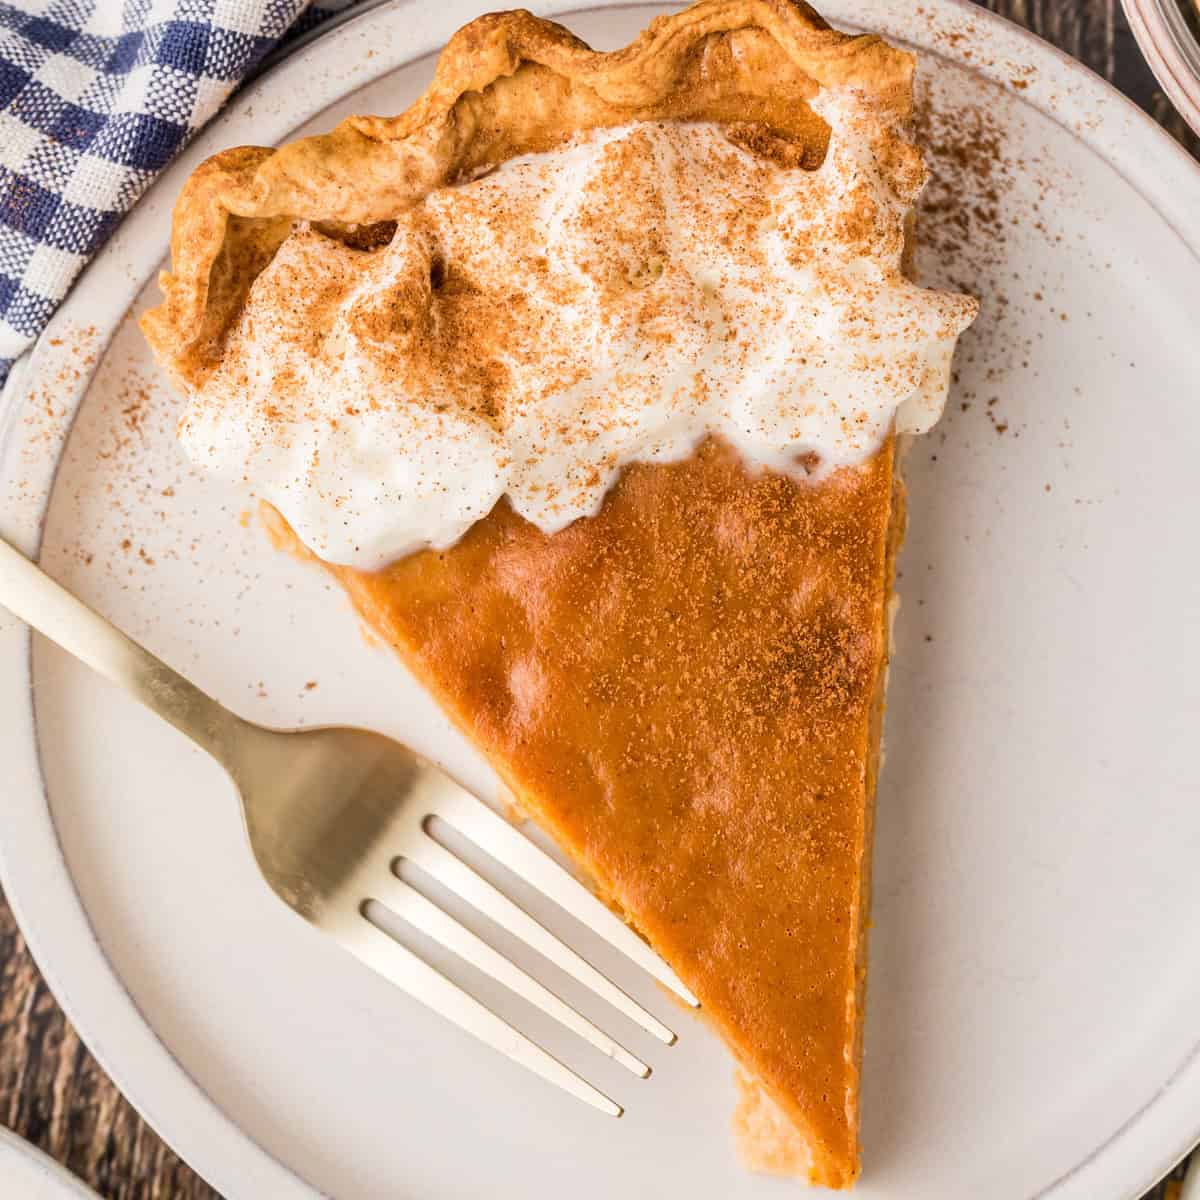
51 1089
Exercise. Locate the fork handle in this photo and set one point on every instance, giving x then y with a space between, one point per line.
29 593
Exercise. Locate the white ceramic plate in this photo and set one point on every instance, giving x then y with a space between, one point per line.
1035 985
31 1175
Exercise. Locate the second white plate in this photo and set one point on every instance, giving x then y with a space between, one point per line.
30 1174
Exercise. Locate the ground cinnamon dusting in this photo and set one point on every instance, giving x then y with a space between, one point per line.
532 331
985 189
486 357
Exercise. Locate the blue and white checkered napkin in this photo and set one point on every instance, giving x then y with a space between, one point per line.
96 97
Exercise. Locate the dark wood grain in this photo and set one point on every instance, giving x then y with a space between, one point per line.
51 1089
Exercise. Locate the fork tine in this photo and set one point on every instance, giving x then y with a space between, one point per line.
405 901
473 888
507 845
411 974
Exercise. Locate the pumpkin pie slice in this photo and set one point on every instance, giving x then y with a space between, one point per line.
586 377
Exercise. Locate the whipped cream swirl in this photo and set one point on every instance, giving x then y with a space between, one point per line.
530 333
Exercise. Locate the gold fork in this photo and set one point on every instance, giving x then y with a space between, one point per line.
331 813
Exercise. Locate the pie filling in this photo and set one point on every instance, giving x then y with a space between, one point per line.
585 378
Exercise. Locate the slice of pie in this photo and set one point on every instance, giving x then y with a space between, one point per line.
586 377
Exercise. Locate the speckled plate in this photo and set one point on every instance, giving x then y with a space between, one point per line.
1035 978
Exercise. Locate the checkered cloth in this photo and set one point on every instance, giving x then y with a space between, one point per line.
96 97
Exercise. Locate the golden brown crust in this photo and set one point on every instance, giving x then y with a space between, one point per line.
507 83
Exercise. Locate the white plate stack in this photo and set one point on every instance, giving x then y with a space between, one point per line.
1168 32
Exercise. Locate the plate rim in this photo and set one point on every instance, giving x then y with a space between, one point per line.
71 959
70 1185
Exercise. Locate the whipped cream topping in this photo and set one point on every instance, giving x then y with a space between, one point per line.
616 300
